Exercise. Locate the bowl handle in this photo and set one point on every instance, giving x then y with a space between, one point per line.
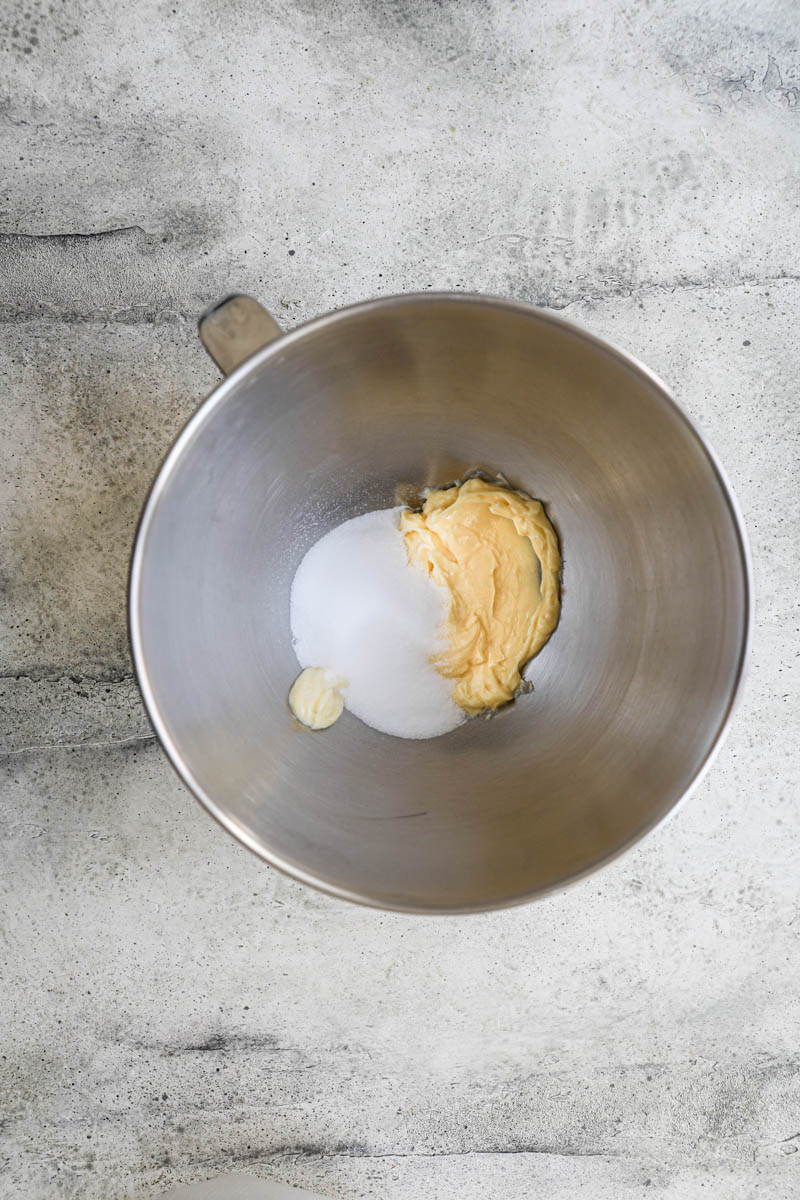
234 329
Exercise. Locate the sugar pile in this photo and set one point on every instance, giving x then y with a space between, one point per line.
360 611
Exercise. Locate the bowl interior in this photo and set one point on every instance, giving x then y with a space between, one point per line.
359 411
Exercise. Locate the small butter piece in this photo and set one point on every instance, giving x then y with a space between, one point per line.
316 698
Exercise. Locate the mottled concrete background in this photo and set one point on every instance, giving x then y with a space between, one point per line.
169 1007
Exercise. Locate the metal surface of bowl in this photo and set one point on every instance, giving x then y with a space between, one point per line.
358 410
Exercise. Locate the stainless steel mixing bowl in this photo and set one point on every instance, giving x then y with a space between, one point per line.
349 413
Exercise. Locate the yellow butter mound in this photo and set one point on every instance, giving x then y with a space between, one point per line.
489 547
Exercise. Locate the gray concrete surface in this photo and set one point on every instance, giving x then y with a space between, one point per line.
169 1007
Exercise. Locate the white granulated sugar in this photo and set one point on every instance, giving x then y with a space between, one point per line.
359 610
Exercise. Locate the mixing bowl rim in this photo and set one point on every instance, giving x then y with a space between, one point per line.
204 411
